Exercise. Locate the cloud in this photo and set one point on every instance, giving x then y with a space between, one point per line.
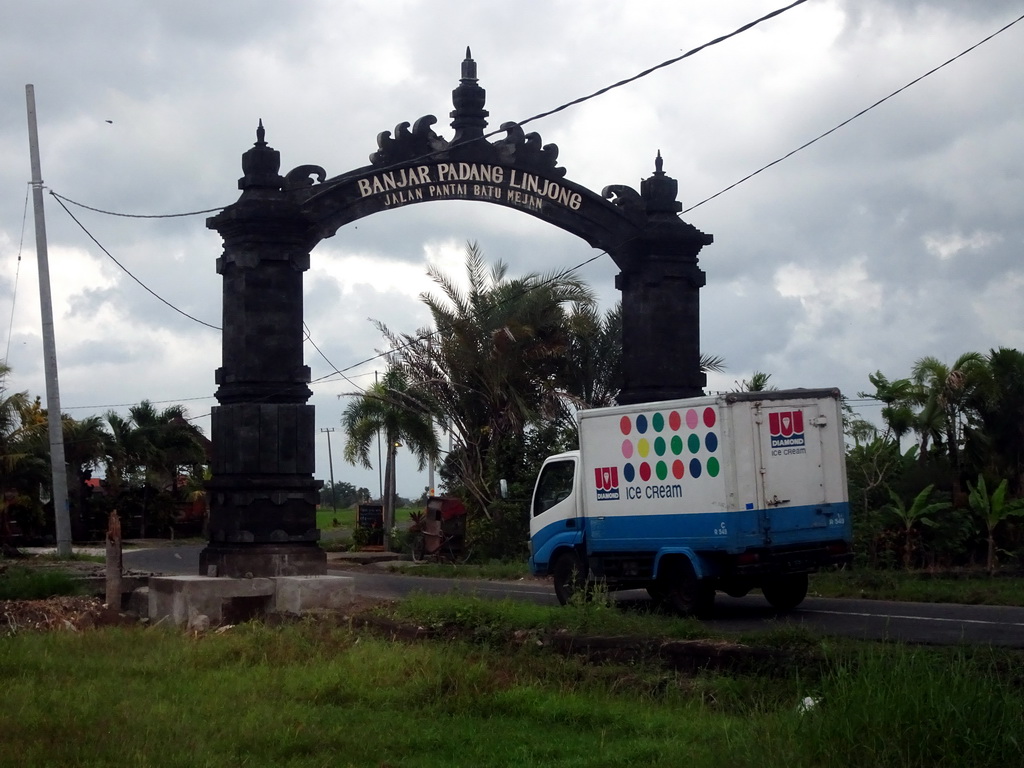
896 237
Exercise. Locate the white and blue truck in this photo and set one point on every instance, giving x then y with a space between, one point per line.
734 492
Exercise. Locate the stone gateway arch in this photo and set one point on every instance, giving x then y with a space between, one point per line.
263 495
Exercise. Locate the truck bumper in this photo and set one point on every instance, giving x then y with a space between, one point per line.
793 559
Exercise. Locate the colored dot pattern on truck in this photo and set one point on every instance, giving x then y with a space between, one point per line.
691 431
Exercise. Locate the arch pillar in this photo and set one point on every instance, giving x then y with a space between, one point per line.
660 284
263 495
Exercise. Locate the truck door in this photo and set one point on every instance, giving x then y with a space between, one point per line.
792 492
555 508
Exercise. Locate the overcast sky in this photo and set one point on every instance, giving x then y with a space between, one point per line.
896 237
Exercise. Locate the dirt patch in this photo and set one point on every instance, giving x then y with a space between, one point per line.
70 614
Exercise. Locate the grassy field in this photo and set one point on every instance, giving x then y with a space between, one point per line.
968 587
493 693
346 518
325 518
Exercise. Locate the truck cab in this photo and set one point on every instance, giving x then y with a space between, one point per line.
556 513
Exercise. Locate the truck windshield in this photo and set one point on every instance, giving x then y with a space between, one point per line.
554 485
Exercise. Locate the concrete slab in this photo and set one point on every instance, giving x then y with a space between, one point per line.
184 600
180 598
297 594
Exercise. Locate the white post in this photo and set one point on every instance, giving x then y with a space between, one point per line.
58 468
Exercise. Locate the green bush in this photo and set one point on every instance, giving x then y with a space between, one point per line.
503 536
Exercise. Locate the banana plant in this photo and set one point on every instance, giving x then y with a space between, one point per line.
918 512
992 509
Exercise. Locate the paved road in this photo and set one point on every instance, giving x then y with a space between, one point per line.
171 560
870 619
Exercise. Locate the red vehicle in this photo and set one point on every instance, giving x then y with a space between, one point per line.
441 533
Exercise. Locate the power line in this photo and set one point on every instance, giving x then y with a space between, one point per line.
662 65
131 405
854 117
127 271
17 275
136 215
309 338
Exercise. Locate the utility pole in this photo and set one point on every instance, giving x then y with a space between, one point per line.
58 468
430 459
330 463
430 466
380 467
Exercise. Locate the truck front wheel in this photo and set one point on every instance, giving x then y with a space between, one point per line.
785 593
568 576
684 593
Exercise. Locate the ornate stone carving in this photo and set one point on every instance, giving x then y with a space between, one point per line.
408 145
527 151
518 148
627 199
524 150
298 178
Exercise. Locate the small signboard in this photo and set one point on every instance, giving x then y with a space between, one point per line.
371 517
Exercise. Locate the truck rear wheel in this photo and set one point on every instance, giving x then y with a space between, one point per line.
684 593
785 593
569 577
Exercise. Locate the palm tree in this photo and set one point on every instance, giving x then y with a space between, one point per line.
85 443
899 397
495 363
122 453
168 441
16 431
592 376
147 450
714 363
996 445
758 382
403 415
947 391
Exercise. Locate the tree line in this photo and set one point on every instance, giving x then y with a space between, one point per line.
154 463
940 482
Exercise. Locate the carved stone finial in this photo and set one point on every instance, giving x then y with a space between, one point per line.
469 115
659 191
261 164
468 67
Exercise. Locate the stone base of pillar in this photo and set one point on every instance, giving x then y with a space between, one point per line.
261 560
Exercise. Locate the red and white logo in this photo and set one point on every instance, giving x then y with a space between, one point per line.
786 428
606 480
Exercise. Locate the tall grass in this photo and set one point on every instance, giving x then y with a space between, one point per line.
313 695
21 583
911 707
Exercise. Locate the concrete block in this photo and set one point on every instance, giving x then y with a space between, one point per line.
297 594
138 602
179 598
